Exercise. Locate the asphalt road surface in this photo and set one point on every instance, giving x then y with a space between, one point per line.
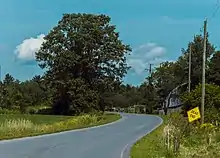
109 141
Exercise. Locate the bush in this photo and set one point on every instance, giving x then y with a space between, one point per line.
202 142
44 110
217 137
9 111
184 139
212 101
173 133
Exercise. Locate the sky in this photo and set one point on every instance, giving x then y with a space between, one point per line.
155 29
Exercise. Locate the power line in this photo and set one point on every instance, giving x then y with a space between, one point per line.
216 8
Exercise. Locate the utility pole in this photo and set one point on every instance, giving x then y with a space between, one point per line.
150 73
149 86
150 69
203 72
189 78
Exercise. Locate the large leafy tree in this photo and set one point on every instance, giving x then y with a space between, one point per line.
83 49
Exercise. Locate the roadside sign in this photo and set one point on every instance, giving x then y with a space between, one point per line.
193 114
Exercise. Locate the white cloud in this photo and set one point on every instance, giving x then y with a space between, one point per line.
146 54
27 49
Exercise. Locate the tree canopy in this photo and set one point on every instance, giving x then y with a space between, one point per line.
84 57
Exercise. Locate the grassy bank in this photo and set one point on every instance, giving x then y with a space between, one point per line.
150 146
17 125
197 142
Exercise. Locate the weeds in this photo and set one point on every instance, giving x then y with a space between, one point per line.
177 138
16 125
190 140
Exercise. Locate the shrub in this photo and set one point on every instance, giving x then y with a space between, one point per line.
174 132
31 110
192 139
9 111
217 137
212 101
39 110
46 111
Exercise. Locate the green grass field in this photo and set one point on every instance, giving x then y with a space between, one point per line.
16 126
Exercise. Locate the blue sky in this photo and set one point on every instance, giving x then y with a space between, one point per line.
156 29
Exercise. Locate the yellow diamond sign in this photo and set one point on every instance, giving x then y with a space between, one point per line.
193 114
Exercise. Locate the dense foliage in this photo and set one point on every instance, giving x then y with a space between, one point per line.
85 62
212 101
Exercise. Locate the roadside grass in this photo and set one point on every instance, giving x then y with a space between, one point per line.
151 145
202 142
18 125
36 119
198 142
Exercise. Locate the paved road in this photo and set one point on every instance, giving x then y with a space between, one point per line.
108 141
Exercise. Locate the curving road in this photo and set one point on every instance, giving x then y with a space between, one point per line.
106 141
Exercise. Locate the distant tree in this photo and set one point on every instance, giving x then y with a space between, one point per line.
197 58
214 69
148 96
165 78
37 78
8 79
171 74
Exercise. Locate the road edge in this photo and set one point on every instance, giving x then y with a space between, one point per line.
128 146
63 132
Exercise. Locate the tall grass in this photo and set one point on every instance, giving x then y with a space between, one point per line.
16 125
177 139
20 127
194 140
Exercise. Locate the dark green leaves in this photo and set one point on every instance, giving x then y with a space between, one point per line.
83 49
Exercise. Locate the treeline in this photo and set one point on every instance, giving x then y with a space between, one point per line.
34 96
17 96
85 62
171 74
